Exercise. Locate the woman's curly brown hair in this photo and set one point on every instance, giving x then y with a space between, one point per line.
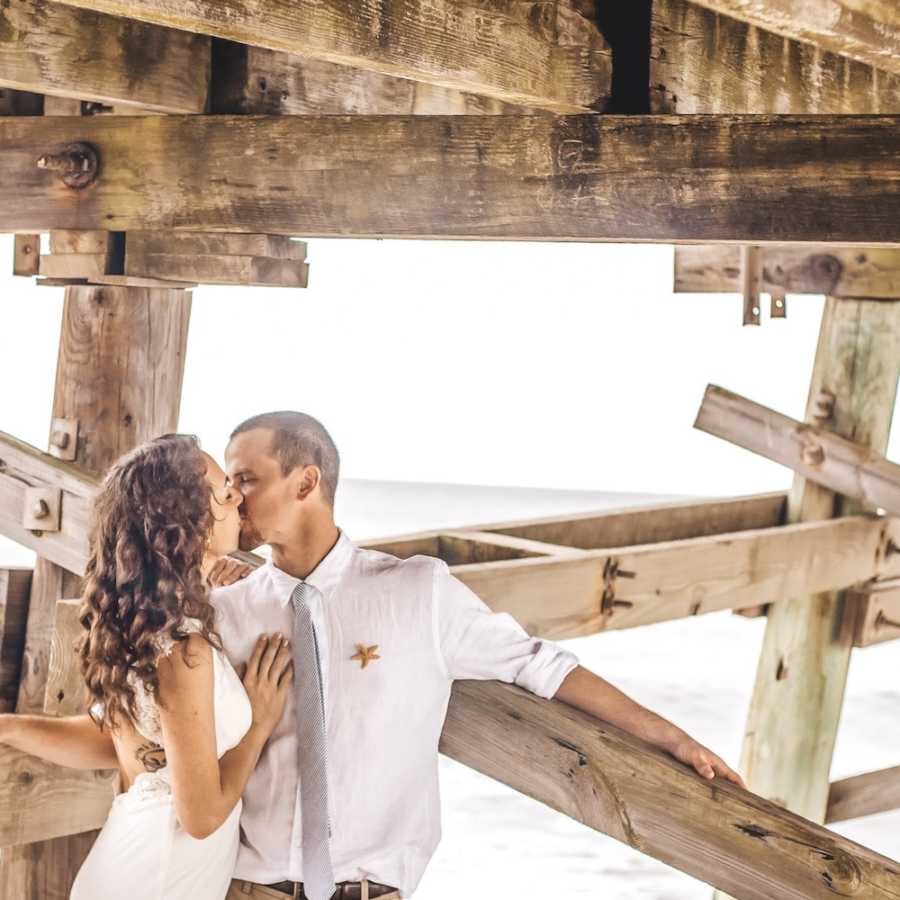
150 526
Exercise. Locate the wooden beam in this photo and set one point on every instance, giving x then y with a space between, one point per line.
41 801
869 31
49 48
702 62
864 795
620 786
797 699
65 694
878 614
621 527
15 589
564 178
26 254
255 81
603 590
843 272
555 59
845 467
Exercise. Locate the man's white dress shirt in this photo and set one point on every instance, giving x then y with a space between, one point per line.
383 721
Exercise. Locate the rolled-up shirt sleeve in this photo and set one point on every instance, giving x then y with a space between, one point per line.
474 642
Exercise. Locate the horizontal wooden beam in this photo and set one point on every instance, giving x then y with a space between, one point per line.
845 272
864 795
547 56
877 614
586 178
616 784
603 590
54 49
869 31
254 81
702 62
15 590
820 455
40 800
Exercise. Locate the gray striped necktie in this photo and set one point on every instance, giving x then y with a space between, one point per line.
318 876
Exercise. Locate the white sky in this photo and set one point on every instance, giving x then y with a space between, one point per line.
547 365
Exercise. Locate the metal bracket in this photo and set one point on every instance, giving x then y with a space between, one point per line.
63 438
42 509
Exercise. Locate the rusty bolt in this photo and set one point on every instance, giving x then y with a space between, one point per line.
59 439
76 164
813 454
40 510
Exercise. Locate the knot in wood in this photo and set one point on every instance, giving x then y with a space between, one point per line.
76 164
841 873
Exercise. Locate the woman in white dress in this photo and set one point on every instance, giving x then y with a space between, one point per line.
183 728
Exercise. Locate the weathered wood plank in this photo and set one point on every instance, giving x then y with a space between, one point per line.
539 54
49 48
864 795
844 272
620 786
620 527
209 269
255 81
602 590
878 614
41 801
817 453
868 31
275 246
26 254
702 62
15 590
514 177
797 699
65 694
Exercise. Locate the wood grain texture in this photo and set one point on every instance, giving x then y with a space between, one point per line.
135 337
15 590
26 254
622 787
54 49
818 454
867 30
878 614
799 689
702 62
65 694
864 795
844 272
543 54
603 590
654 178
255 81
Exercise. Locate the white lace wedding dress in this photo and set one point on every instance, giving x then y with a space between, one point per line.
142 852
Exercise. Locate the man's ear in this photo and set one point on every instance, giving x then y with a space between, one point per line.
309 481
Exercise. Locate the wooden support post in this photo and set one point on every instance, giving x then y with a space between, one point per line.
803 666
119 374
864 795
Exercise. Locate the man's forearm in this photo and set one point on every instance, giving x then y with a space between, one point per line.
584 690
72 741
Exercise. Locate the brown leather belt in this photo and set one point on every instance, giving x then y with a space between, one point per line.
346 890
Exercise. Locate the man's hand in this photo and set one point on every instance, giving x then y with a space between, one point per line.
227 571
688 751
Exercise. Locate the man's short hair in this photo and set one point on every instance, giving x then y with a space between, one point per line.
299 440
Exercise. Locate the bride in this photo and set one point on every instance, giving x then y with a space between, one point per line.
183 728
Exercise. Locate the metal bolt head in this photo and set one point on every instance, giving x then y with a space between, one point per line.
40 510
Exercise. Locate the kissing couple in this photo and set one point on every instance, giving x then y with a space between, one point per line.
277 734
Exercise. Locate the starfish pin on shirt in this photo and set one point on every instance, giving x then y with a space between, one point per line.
365 654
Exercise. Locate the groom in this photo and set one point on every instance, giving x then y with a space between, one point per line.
344 800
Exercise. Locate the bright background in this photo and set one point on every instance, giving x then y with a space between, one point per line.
467 382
